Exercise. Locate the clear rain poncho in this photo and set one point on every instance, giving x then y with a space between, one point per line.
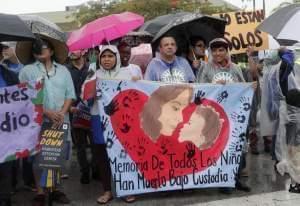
288 134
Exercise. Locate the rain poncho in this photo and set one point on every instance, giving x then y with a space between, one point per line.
288 134
268 123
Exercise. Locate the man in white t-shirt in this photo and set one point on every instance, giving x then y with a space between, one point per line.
125 53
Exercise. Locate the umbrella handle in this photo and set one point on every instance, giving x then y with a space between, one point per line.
195 58
188 39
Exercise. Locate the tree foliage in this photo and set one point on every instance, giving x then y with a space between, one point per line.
148 8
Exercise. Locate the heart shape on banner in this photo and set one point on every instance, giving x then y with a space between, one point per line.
168 156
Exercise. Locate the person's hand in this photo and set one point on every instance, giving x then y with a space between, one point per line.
135 78
59 120
250 51
221 82
55 117
196 63
254 85
74 110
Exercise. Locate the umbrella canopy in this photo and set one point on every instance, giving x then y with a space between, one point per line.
153 26
14 29
104 29
136 38
39 25
283 23
24 50
192 24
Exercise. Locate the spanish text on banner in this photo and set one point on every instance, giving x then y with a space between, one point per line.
170 137
20 120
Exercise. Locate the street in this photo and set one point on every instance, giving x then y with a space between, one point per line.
268 189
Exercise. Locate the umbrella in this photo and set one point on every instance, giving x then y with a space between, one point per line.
135 38
141 55
153 26
24 50
104 29
46 30
13 29
192 24
283 23
39 25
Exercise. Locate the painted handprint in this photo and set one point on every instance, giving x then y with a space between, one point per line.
198 97
111 108
240 118
127 121
191 150
222 96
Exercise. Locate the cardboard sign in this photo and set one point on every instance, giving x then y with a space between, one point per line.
54 147
241 30
171 137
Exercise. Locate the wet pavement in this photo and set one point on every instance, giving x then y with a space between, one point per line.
268 188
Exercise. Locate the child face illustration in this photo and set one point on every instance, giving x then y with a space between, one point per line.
203 127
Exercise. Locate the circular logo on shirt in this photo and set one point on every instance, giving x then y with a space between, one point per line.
173 76
223 76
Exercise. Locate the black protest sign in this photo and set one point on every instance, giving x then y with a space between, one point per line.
54 147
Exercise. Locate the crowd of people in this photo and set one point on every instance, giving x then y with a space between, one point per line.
205 62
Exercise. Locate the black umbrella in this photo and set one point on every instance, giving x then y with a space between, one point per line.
40 25
192 24
136 38
153 26
14 29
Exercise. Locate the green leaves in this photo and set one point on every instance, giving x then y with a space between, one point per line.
149 9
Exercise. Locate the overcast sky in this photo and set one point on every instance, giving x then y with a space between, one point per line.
33 6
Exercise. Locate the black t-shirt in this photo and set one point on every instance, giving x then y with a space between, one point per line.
78 77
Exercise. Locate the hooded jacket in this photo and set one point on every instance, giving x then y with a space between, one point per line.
117 72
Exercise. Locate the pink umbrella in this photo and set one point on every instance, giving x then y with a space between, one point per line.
104 29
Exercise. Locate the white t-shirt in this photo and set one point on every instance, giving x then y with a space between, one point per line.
135 70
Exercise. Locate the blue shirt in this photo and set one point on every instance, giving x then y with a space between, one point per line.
13 67
58 84
177 71
2 81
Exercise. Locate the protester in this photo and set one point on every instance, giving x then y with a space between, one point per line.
250 77
58 96
196 54
167 67
108 66
269 121
80 133
283 103
7 78
125 54
13 64
9 57
221 70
